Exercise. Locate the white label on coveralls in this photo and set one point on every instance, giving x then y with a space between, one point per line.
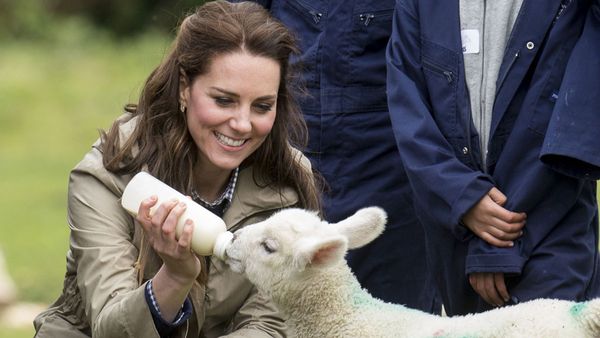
470 41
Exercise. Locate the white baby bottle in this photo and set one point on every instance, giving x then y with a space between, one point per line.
209 236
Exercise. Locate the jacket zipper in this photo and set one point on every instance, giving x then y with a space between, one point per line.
367 17
313 13
447 73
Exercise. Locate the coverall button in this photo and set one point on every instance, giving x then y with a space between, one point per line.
465 150
530 45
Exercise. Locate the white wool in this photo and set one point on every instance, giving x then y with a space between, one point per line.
297 259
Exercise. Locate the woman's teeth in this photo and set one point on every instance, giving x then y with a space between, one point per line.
229 141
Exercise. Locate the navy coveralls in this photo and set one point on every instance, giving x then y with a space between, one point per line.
543 152
351 142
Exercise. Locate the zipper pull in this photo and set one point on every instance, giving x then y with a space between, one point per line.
366 18
316 16
448 75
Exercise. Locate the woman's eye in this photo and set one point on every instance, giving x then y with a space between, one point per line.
263 107
223 101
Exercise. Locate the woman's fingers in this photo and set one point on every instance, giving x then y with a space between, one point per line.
161 226
170 223
144 216
185 239
159 216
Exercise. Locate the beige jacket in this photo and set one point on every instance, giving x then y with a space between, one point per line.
101 294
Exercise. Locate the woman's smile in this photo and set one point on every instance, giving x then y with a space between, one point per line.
228 141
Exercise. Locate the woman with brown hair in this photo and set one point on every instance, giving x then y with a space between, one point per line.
216 121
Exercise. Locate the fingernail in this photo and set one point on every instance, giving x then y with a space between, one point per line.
182 205
153 197
511 244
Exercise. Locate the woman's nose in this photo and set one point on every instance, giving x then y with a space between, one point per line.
241 121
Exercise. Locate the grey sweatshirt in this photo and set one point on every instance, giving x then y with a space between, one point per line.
485 29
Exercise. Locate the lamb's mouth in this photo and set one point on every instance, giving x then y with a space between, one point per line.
235 265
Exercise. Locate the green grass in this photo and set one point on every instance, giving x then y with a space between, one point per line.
54 96
16 333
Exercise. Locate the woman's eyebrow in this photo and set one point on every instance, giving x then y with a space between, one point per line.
226 92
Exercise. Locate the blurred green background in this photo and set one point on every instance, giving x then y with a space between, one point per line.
67 67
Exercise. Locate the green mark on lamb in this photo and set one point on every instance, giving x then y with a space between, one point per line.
577 309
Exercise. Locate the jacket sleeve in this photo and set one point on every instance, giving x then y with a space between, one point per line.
572 143
444 187
101 243
258 317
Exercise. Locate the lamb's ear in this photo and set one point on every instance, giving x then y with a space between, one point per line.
362 227
319 252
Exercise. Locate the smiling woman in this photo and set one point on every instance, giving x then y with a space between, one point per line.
230 111
216 121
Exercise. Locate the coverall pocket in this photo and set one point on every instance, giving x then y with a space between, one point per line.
544 105
371 29
440 69
308 30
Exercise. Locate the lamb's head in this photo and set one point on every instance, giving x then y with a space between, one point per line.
293 243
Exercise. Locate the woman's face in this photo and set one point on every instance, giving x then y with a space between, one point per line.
231 109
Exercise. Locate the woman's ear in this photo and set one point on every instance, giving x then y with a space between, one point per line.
184 89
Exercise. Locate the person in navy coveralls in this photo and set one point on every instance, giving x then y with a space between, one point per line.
495 106
351 143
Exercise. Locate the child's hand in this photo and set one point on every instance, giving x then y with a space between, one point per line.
493 223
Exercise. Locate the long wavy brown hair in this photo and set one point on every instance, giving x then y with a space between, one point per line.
161 140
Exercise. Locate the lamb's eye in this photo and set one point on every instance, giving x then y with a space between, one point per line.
269 246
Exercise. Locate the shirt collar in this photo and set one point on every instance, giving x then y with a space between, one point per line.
222 203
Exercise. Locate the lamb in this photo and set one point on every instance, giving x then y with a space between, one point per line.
298 260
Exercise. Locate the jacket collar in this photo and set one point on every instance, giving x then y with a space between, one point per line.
532 25
254 196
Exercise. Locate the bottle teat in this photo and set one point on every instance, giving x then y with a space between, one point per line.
222 242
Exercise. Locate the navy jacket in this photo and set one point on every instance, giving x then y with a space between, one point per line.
351 143
542 81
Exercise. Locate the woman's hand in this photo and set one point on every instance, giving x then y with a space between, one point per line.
172 283
180 262
493 223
